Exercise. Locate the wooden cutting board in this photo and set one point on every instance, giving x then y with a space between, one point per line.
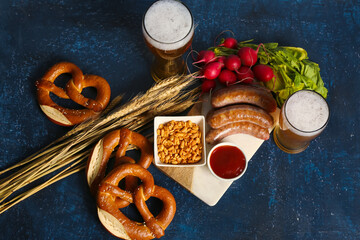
199 180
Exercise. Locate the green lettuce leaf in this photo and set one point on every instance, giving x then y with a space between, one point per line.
293 72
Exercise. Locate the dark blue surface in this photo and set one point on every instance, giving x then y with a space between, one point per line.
312 195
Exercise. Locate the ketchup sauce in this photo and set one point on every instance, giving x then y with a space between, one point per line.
227 161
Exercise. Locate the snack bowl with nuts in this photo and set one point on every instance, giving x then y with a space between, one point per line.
179 141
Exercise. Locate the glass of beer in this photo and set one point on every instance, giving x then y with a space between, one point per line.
303 117
168 30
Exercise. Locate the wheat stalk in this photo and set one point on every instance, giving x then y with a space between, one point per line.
68 154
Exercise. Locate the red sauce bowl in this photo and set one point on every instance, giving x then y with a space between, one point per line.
227 161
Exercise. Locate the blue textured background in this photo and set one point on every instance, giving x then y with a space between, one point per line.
312 195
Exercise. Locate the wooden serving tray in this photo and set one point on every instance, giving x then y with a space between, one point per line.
199 180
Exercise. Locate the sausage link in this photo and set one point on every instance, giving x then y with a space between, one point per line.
250 94
215 135
239 113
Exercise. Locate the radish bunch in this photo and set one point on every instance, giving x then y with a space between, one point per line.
241 67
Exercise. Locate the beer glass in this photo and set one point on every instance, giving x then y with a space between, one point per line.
168 30
303 117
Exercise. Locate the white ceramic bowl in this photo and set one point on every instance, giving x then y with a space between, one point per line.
226 144
199 120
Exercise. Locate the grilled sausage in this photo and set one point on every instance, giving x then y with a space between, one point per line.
239 113
249 94
216 135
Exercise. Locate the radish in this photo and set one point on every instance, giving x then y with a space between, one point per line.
245 75
212 70
221 60
227 77
248 56
232 63
207 85
205 56
229 43
263 72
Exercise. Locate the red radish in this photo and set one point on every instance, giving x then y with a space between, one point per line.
245 75
207 85
229 43
227 77
221 60
205 56
233 63
263 72
212 70
248 56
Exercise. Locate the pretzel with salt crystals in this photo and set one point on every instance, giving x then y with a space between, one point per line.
110 198
65 116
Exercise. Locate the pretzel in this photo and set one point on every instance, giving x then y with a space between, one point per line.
111 198
101 153
109 195
65 116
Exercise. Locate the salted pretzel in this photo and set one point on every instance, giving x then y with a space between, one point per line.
65 116
111 198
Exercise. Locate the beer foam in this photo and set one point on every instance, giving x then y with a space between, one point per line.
306 111
168 25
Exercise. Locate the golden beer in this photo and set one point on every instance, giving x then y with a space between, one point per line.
303 117
168 30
